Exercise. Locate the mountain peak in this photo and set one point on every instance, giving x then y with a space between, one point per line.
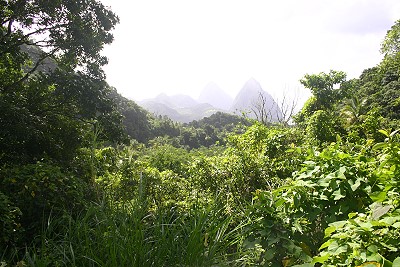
252 85
249 97
178 107
214 95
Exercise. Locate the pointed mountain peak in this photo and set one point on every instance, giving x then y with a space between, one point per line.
248 97
252 85
215 96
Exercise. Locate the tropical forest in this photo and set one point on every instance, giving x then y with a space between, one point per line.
90 178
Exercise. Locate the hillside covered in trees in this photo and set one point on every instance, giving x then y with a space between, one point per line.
88 178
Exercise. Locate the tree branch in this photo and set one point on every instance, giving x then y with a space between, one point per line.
9 27
31 71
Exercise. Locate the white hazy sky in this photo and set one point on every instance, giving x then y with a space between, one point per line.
179 46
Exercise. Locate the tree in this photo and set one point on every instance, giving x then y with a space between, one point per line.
260 109
287 105
322 87
71 32
391 43
353 109
380 85
53 101
327 91
265 109
52 87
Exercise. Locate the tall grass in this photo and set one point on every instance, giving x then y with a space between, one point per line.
114 234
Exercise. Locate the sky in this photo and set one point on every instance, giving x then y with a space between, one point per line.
179 46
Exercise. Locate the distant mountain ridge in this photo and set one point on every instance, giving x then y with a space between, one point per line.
180 108
175 101
183 108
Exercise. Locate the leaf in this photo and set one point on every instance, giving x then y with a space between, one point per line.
341 249
338 224
344 235
372 248
297 227
323 197
356 185
342 170
279 202
338 194
352 215
376 257
270 254
396 225
388 220
386 263
329 230
333 246
321 259
378 196
326 244
379 210
367 226
396 262
385 133
379 146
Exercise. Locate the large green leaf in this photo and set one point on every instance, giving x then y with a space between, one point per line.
396 262
328 231
378 210
378 196
322 258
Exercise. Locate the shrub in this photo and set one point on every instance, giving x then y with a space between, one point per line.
10 226
38 189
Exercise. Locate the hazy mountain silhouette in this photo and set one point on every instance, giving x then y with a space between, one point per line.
215 96
174 101
180 108
249 99
162 109
212 99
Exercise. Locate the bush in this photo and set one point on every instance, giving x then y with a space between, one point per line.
322 127
292 218
37 190
10 226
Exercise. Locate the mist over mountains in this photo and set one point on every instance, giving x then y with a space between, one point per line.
183 108
215 96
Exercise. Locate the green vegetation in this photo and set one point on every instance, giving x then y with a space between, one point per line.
88 178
